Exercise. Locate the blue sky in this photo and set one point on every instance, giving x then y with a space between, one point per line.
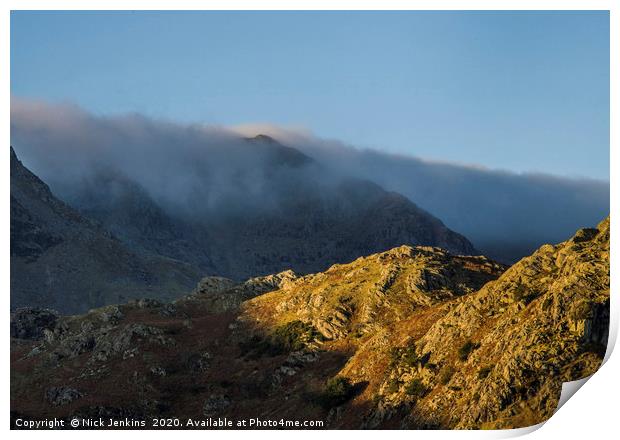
522 91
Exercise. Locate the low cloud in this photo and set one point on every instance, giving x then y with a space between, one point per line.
197 167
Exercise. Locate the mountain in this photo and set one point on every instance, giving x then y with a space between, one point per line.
200 170
281 211
414 337
64 261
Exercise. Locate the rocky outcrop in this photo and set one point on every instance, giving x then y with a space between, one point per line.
513 343
218 294
213 285
372 292
31 323
62 395
215 404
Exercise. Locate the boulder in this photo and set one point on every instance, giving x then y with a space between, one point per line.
30 323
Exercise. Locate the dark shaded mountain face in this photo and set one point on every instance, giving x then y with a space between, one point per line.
62 260
284 211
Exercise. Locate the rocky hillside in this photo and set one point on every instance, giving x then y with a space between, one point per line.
281 211
497 358
414 337
62 260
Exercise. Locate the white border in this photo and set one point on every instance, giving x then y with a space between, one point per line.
591 413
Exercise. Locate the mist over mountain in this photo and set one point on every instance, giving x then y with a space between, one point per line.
195 172
506 215
226 204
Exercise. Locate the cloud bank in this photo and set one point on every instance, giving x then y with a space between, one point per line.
195 168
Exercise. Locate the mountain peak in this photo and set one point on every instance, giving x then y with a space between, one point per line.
284 154
263 138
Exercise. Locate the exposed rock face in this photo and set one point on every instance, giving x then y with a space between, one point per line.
30 323
213 285
222 294
414 337
62 395
512 344
61 260
215 404
299 218
364 295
